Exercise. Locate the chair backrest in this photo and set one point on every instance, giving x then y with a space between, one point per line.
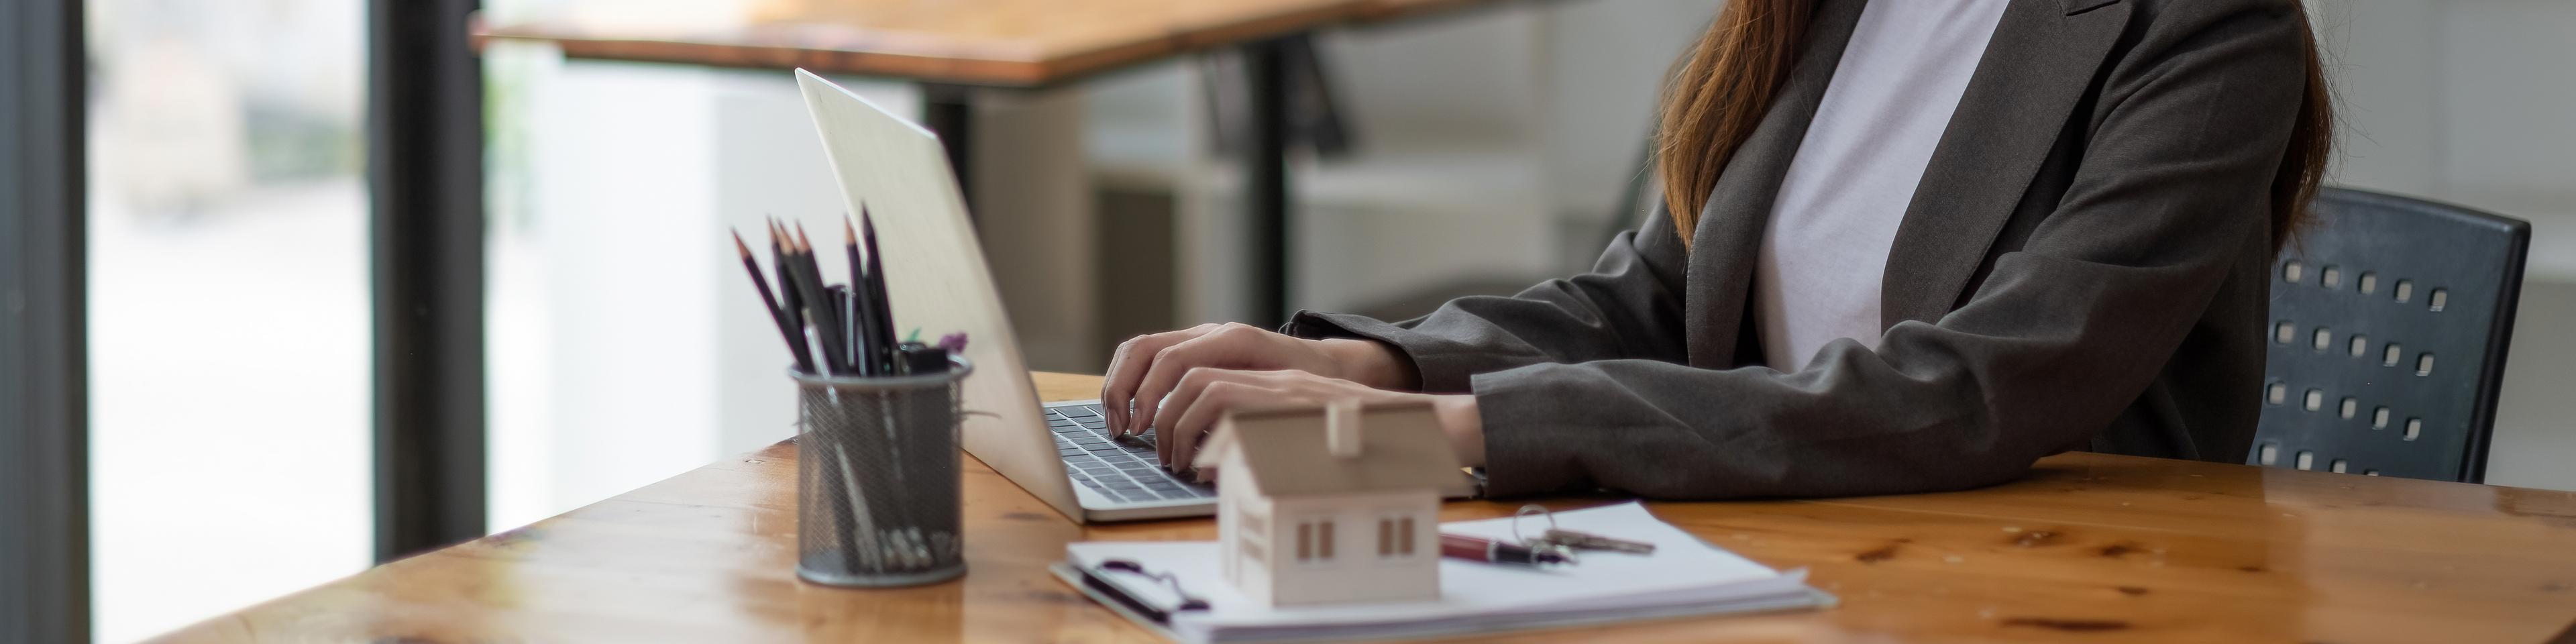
2390 320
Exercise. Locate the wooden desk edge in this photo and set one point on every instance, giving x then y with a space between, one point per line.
919 65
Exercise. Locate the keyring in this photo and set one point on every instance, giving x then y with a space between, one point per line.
1525 511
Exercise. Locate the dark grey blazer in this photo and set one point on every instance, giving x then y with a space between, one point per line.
2082 267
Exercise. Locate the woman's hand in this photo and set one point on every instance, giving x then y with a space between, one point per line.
1146 368
1204 394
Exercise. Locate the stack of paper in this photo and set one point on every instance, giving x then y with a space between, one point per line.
1684 576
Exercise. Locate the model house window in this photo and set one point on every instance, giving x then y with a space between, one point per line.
1253 551
1305 541
1325 534
1315 540
1385 538
1404 536
1253 523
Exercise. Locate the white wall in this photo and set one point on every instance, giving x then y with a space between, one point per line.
2474 102
1606 62
626 345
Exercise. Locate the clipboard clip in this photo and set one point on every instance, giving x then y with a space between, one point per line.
1095 578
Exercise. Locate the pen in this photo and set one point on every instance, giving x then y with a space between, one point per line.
1459 546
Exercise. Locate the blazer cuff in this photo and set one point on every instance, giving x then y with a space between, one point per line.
1442 370
1525 432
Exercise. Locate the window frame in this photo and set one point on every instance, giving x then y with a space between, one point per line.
44 362
425 251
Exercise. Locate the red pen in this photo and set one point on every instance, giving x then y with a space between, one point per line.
1459 546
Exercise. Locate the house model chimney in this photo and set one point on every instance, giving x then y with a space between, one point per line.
1342 428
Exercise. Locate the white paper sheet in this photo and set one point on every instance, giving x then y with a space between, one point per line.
1684 575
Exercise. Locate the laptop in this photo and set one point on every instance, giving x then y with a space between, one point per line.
938 281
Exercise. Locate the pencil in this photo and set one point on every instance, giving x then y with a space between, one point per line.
781 259
769 302
819 306
882 308
862 316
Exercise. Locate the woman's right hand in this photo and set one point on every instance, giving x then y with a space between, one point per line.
1147 367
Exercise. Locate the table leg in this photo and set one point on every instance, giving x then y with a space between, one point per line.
1266 190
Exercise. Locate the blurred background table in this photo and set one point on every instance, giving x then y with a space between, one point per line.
1005 43
2091 547
953 48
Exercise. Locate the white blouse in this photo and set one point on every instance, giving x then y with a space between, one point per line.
1825 250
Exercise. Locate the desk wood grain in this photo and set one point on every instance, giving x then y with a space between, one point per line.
2087 548
982 42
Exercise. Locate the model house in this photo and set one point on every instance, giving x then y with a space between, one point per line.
1337 504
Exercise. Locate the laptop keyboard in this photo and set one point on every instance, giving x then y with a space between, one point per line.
1126 471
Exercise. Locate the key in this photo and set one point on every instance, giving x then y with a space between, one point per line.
1587 541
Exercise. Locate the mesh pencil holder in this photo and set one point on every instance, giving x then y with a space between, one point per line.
877 499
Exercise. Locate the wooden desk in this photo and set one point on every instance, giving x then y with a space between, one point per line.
2087 548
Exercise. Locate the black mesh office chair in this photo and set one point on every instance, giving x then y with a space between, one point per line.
2389 325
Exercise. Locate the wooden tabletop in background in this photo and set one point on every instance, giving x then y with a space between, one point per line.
982 42
2087 548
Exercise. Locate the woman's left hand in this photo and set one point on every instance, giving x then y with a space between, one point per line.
1205 393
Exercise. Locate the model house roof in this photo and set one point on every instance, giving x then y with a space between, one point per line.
1293 451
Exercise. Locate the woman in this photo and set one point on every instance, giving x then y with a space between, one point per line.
1907 246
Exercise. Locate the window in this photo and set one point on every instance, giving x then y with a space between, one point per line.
1253 551
1305 541
1385 538
1395 537
1404 536
227 165
1325 534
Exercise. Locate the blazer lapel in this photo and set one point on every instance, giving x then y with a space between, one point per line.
2036 69
1724 247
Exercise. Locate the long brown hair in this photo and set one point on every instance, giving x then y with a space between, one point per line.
1721 88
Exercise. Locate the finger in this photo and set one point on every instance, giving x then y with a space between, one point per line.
1188 388
1228 345
1236 397
1188 391
1166 368
1194 383
1190 429
1136 409
1118 381
1128 366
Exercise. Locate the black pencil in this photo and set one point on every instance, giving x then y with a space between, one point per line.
780 260
769 303
862 316
881 313
819 306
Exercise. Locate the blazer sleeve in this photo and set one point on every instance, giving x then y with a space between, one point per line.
1627 307
2062 334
